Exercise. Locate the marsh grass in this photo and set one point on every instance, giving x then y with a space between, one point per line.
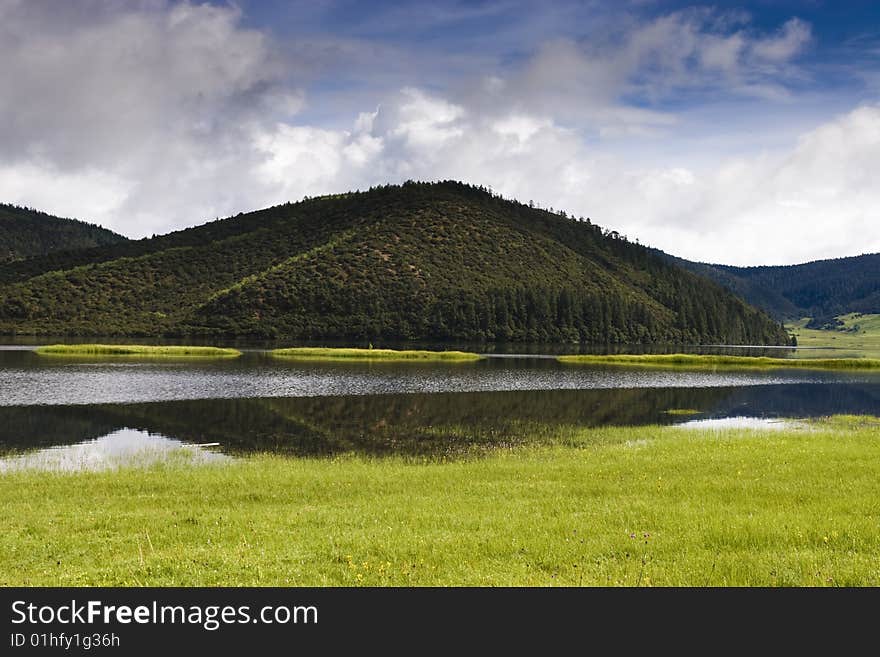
611 506
135 350
322 353
711 362
682 411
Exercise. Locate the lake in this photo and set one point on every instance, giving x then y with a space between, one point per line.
67 414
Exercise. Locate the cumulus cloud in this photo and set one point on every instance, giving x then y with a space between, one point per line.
159 99
149 116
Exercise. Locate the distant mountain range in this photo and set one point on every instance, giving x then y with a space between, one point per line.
440 261
820 290
25 233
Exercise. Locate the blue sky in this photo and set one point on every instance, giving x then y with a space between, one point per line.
495 35
729 132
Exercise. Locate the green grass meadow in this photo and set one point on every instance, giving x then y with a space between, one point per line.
859 335
610 506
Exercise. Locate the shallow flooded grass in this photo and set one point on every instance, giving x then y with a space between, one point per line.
702 361
329 353
124 448
607 506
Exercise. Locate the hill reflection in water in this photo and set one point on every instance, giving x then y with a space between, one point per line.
416 424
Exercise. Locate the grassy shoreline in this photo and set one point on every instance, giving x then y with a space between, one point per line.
328 353
618 506
700 361
136 350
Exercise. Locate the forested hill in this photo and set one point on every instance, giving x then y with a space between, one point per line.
821 290
25 233
416 261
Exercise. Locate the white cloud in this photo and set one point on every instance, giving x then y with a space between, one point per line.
425 121
520 128
98 193
160 98
812 201
791 39
301 157
616 83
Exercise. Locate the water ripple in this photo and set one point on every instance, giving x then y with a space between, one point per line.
27 379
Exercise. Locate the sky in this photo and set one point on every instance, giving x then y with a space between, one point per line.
737 133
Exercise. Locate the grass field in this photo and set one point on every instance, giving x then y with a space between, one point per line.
701 362
612 506
322 353
134 350
860 334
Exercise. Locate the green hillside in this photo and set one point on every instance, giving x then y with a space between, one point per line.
417 261
25 233
821 290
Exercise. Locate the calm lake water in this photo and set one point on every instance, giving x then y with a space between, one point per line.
63 413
